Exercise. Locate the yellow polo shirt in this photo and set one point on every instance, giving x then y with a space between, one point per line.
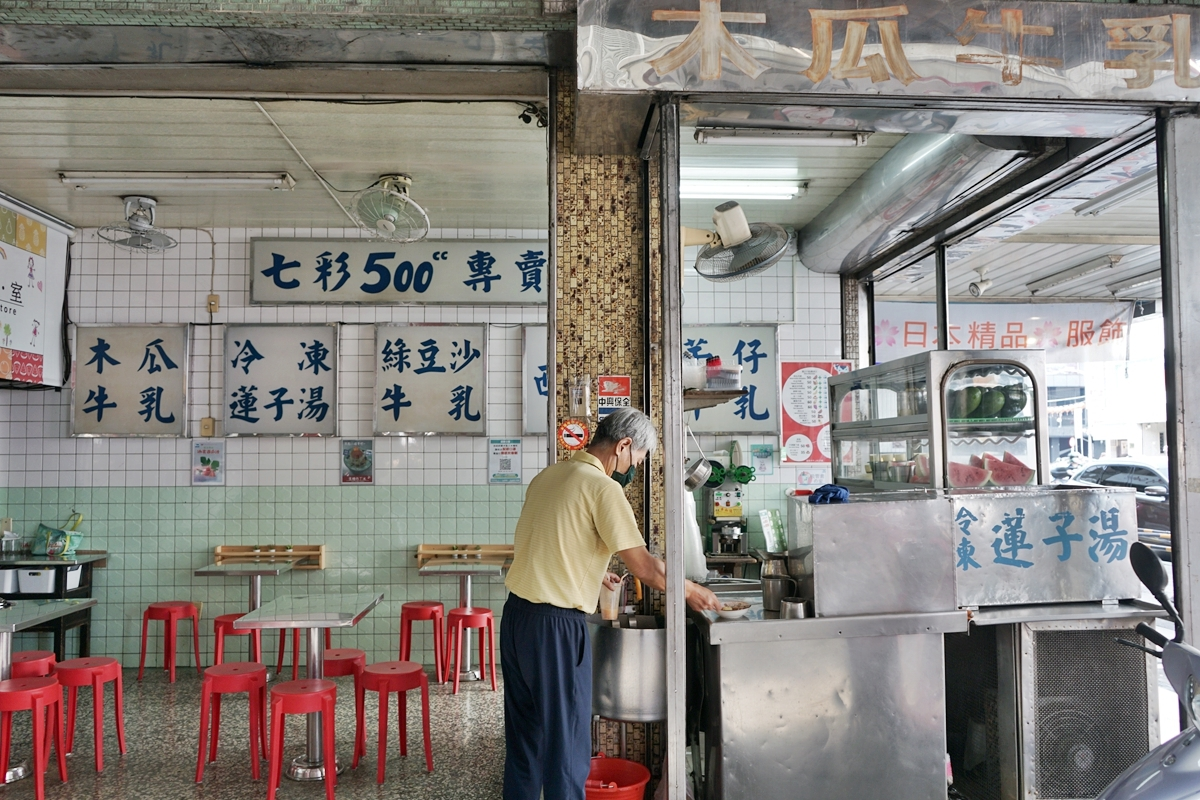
574 518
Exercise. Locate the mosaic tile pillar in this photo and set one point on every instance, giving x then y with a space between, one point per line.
853 348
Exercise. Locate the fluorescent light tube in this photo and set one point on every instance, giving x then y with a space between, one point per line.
1145 279
689 173
740 190
781 137
1115 197
138 181
1071 273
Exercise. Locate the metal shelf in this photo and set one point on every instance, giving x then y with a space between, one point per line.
701 398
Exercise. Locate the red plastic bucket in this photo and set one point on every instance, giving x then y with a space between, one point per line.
616 779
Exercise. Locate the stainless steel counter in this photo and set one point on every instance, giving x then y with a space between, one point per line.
52 561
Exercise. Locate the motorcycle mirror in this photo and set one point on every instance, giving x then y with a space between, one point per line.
1148 568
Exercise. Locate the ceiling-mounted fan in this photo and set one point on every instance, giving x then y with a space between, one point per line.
385 209
137 232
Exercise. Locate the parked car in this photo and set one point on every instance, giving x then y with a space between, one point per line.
1150 481
1068 463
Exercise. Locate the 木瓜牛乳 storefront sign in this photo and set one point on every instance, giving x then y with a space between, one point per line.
469 272
959 48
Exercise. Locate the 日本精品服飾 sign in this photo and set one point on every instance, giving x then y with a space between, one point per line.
430 379
130 381
281 379
468 272
754 348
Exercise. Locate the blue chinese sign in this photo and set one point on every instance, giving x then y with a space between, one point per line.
280 380
754 349
130 381
535 385
466 272
430 379
1043 547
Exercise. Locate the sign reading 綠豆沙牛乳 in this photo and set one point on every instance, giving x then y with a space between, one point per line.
468 272
430 379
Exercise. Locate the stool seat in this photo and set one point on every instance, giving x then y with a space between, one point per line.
420 610
295 650
342 661
457 622
43 697
94 671
32 663
223 626
231 678
170 612
384 678
303 697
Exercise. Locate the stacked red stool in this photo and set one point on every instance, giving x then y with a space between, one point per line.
170 613
223 626
39 695
231 678
295 650
303 697
385 677
343 661
32 663
94 672
416 611
457 624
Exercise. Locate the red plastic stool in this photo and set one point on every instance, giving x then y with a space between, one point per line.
94 672
302 697
460 619
223 626
39 695
170 612
344 661
32 663
416 611
231 678
385 677
295 650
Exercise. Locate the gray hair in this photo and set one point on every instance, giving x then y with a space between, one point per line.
627 423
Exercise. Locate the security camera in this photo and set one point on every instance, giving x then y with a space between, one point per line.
977 288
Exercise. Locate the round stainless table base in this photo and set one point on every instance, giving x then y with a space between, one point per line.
16 772
301 769
469 675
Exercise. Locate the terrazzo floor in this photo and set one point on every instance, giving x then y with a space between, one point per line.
162 725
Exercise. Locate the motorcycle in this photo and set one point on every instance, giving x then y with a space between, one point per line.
1171 771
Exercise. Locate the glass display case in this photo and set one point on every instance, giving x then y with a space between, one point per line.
941 419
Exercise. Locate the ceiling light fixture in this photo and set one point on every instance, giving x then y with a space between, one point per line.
741 189
1078 271
781 137
1136 282
1118 196
738 173
141 181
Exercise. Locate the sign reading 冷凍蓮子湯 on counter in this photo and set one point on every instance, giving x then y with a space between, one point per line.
950 48
281 380
130 381
467 272
430 379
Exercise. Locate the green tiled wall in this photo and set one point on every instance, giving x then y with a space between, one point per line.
157 537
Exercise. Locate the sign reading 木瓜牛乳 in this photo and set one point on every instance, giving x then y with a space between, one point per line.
130 381
468 272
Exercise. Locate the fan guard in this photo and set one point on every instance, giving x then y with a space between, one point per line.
385 210
766 245
137 233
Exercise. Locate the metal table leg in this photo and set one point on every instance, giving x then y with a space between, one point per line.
17 769
255 602
311 765
467 671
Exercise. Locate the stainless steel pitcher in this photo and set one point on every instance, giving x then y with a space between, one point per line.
774 589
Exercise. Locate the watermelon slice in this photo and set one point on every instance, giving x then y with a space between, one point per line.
920 468
1009 458
967 477
1010 474
977 462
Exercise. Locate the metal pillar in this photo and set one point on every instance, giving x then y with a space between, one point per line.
1179 208
942 300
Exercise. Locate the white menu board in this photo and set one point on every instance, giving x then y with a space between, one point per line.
130 381
474 271
430 379
280 380
756 348
535 391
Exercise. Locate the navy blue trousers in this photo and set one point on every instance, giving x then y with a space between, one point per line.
547 660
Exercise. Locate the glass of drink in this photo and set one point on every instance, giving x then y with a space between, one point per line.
610 602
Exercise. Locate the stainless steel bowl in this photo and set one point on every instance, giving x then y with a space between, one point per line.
696 474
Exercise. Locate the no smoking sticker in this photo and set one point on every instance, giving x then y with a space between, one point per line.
573 434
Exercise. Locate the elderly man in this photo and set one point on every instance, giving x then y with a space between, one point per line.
574 518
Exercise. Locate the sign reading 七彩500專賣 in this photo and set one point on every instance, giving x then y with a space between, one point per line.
430 379
470 272
281 380
130 381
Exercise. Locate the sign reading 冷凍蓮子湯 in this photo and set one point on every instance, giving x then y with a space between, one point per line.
948 48
467 272
280 380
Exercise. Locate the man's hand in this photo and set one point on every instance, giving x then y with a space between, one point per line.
700 598
612 580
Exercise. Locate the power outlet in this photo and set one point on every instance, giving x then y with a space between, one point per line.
208 427
214 303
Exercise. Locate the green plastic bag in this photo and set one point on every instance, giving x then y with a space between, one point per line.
62 541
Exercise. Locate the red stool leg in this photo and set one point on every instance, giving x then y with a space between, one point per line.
39 752
119 708
216 726
256 636
402 715
195 617
219 649
169 645
295 653
276 766
255 730
58 738
262 721
439 663
5 740
98 720
330 749
282 648
405 636
360 696
383 704
425 723
205 700
491 626
460 633
71 698
142 660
